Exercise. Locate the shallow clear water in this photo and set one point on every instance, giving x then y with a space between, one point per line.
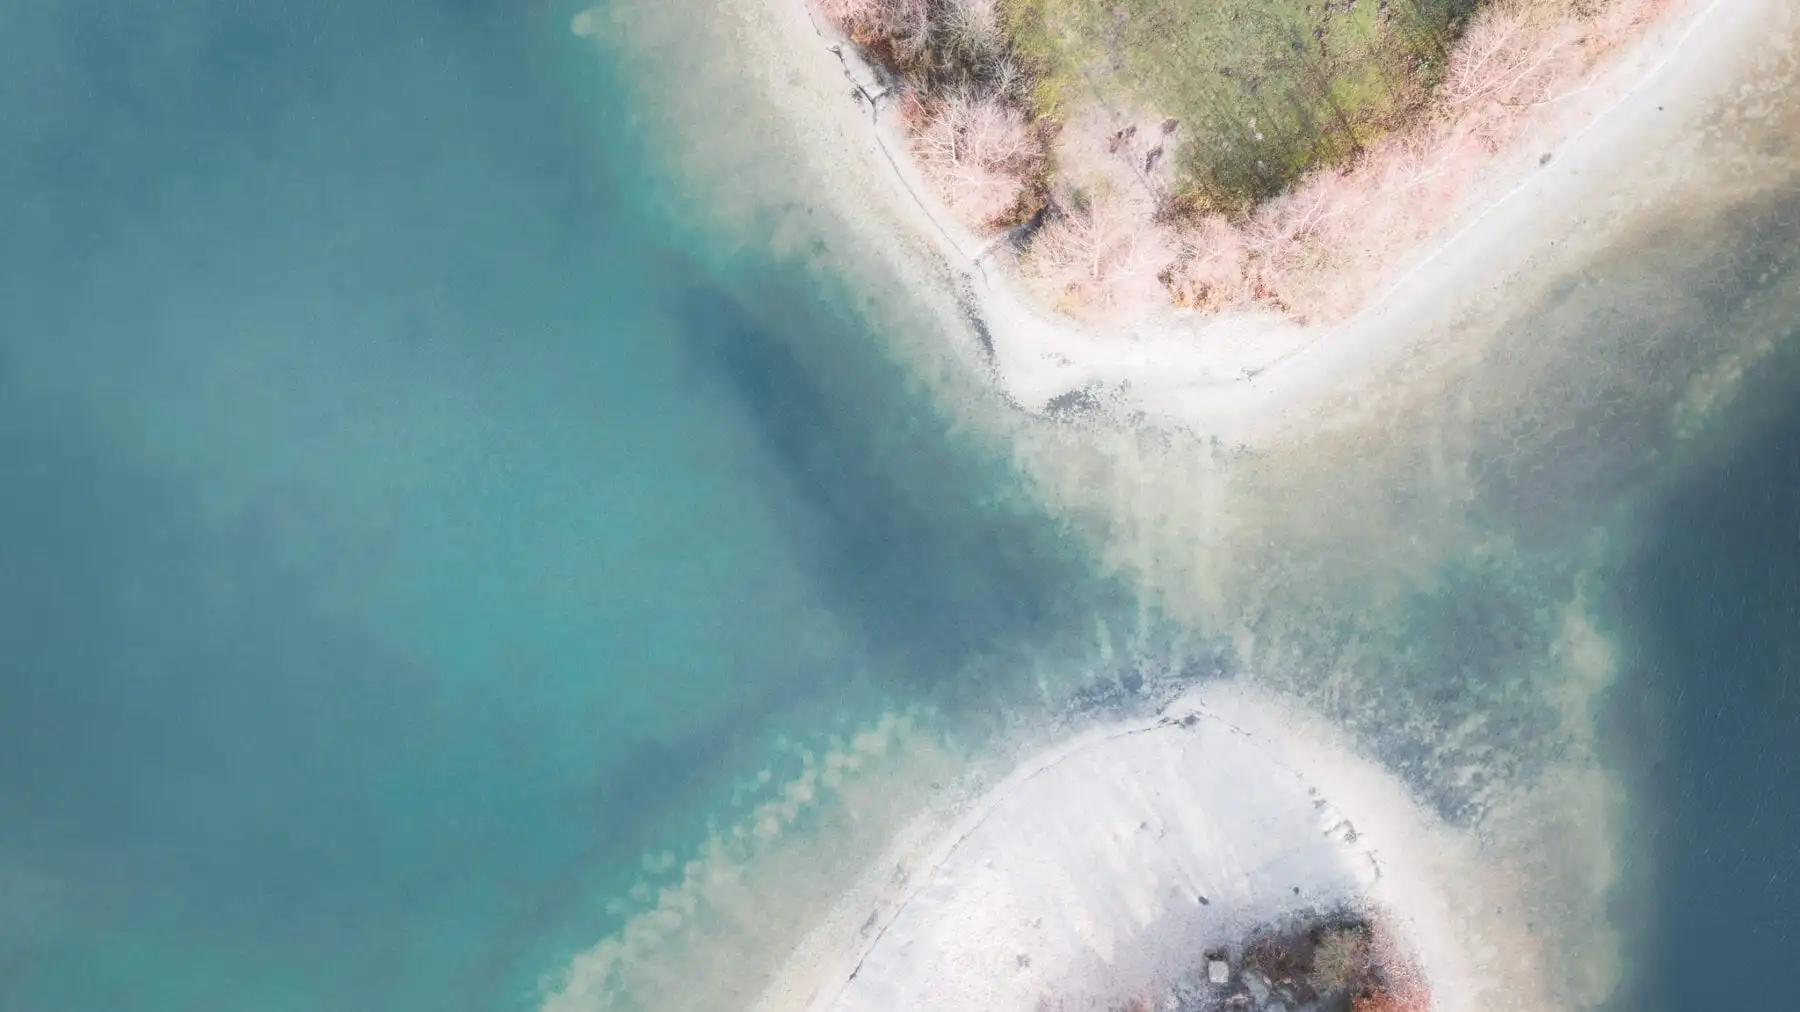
403 535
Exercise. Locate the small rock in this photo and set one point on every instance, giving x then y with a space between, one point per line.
1218 971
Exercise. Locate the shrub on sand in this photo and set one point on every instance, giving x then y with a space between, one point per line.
972 27
1301 235
1341 959
902 27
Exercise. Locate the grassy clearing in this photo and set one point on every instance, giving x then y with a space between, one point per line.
1264 91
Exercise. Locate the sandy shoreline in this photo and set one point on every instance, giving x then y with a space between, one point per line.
1250 379
1100 866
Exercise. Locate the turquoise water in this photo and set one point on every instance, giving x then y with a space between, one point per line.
402 534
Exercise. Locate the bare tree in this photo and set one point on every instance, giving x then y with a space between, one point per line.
910 27
1104 255
1211 271
978 151
1512 58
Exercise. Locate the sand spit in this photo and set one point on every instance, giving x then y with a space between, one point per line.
1101 871
1251 378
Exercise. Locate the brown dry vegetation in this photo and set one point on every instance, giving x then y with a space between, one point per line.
1117 246
979 153
1104 251
1342 962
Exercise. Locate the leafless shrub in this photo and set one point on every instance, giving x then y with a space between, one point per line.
1290 255
909 28
1619 20
978 151
972 28
1512 59
1508 56
1007 81
864 21
1210 272
1296 240
1102 255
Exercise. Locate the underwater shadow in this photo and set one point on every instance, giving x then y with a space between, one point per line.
916 539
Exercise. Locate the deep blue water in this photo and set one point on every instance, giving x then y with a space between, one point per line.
1708 716
400 533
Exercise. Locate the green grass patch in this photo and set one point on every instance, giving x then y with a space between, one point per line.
1264 89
